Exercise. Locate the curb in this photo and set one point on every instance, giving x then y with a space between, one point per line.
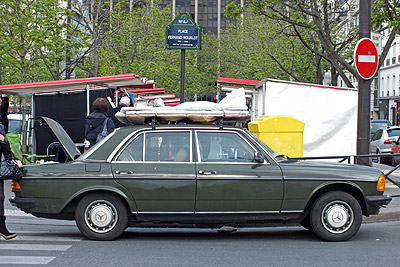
383 217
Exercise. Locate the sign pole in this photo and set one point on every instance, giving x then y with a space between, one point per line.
182 76
364 90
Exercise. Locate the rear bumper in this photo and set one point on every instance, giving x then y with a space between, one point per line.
23 203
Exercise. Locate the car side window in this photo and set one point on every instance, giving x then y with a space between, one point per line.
223 147
134 151
167 146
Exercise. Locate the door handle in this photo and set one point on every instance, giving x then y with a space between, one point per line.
208 172
120 172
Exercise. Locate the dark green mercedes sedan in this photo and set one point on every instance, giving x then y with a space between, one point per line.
196 176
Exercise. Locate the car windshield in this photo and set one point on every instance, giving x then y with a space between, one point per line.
272 152
378 125
394 132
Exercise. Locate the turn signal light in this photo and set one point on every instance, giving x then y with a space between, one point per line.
380 186
15 185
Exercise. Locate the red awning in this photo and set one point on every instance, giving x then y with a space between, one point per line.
234 81
74 84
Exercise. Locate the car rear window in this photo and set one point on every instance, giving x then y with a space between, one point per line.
394 132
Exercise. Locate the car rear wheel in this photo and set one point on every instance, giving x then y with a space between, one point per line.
101 216
336 216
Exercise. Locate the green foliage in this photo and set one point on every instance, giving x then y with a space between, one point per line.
116 41
386 14
33 34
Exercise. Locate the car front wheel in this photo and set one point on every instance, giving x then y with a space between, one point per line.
336 216
101 216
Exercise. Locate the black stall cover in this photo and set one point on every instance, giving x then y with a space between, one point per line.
69 110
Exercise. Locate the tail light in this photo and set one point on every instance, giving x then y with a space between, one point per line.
380 186
15 185
388 142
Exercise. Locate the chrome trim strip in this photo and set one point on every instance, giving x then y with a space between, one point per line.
163 212
215 212
291 211
153 162
207 212
237 212
216 177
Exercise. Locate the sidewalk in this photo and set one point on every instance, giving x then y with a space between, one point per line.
392 211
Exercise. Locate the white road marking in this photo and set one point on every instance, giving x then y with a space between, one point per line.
10 212
18 260
31 247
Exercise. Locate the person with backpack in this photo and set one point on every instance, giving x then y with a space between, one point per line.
98 124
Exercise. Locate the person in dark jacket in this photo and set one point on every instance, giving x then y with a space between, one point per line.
4 105
6 151
95 121
123 102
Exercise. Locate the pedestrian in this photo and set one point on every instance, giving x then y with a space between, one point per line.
4 104
98 122
5 150
123 102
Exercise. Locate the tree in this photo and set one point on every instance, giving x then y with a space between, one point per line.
32 34
254 49
323 21
386 18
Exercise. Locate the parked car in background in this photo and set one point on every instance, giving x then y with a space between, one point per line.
196 176
395 160
378 124
383 141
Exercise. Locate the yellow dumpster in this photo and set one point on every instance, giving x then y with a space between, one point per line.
284 134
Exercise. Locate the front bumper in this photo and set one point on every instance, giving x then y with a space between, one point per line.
23 203
378 201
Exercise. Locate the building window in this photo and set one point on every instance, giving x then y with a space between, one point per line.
393 60
387 62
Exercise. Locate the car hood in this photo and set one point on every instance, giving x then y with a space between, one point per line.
320 169
62 136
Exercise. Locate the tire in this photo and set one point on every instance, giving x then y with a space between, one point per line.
336 216
101 216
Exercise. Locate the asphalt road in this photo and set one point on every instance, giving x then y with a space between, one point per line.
44 242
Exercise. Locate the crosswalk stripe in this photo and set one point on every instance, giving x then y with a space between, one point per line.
25 260
20 213
20 247
46 238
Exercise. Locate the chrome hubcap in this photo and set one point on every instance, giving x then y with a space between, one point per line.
337 217
101 216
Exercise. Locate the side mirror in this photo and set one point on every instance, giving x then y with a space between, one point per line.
258 157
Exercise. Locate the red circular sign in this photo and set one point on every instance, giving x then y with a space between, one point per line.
366 58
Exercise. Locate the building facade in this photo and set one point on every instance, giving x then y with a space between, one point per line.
208 14
388 98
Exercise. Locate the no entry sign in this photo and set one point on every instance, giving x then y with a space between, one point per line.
366 58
